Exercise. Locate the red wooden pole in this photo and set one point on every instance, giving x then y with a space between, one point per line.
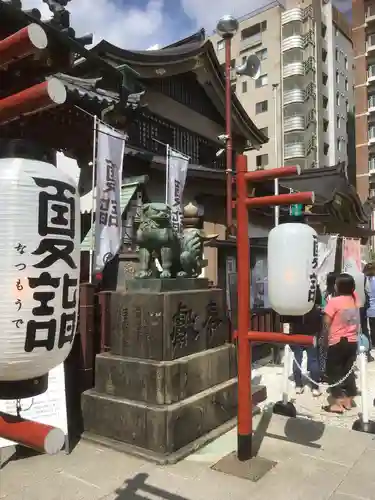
281 199
245 419
228 132
273 173
279 338
41 96
34 435
23 43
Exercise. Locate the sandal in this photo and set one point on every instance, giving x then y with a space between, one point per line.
328 409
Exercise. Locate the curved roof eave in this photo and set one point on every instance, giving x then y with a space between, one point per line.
181 55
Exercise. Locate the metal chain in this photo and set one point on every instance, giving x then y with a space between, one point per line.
328 386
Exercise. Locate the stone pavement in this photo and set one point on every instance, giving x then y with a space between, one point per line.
314 462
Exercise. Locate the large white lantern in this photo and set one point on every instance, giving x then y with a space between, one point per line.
39 269
292 266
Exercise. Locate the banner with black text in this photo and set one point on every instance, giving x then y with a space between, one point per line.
177 167
108 227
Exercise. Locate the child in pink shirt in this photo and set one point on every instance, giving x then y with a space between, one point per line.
342 323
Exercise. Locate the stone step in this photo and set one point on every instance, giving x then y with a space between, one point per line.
164 382
160 430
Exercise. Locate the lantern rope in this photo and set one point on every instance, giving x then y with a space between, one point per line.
19 408
327 386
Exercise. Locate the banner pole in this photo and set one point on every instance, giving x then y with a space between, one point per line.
91 262
167 173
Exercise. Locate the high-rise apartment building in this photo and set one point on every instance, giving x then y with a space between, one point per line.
363 14
304 95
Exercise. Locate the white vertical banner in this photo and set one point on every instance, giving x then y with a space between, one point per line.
177 167
327 245
108 227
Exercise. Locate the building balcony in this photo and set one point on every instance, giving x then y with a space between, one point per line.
294 150
371 135
371 166
291 15
292 42
294 123
292 69
293 96
251 41
371 74
370 14
370 43
371 104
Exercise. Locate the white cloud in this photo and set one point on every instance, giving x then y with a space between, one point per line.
124 26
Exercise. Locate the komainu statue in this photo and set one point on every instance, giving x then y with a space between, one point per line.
156 239
192 243
164 253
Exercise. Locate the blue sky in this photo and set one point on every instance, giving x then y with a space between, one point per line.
140 24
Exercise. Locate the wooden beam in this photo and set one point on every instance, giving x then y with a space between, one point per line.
37 98
21 44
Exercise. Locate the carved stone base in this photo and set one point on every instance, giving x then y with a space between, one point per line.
167 325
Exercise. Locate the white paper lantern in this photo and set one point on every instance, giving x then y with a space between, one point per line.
39 267
292 266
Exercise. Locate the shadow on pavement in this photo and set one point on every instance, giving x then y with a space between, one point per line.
133 489
301 431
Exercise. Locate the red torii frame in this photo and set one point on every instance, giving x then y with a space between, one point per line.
26 42
243 335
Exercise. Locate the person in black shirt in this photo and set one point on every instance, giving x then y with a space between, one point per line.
309 324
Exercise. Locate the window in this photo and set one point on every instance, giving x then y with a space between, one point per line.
346 84
324 30
264 131
347 105
262 81
325 148
324 55
261 107
261 161
262 54
325 124
244 87
325 102
325 78
337 99
337 77
346 62
338 145
338 121
253 31
220 45
337 54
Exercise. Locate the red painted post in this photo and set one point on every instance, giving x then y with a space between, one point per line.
281 199
271 174
278 338
245 418
35 435
23 43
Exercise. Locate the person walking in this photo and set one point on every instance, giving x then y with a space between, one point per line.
309 324
341 327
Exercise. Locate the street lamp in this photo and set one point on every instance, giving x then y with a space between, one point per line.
227 27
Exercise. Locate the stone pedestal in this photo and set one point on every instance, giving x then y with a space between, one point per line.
170 377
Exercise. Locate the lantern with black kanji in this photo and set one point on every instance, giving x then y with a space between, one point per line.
39 267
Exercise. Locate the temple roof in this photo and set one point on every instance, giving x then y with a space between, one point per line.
193 54
335 197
